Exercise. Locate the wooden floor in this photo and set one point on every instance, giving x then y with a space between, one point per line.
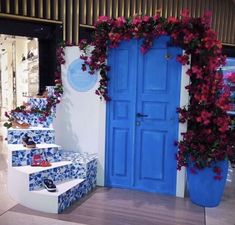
224 214
125 207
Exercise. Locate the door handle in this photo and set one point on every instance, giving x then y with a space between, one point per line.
168 56
141 115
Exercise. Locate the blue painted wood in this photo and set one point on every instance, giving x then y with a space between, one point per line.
120 120
139 150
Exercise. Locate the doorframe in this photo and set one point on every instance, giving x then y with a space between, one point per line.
184 100
182 127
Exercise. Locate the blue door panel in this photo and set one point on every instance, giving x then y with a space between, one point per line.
156 111
152 148
139 150
154 69
121 85
120 148
120 125
158 99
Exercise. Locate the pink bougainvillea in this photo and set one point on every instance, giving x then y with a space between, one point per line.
231 77
208 138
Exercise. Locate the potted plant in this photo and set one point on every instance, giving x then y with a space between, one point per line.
208 143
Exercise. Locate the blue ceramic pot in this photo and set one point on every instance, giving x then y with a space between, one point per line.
204 189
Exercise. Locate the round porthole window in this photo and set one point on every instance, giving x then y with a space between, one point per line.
78 79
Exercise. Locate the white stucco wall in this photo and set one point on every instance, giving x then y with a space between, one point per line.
80 118
184 99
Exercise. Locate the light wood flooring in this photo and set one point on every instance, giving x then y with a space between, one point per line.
126 207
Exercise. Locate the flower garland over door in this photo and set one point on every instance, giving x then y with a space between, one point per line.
208 137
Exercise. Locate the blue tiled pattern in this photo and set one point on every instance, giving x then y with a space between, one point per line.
78 157
24 157
84 166
33 119
57 174
14 136
82 163
40 103
91 175
66 199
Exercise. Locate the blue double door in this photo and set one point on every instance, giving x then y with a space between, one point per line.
142 123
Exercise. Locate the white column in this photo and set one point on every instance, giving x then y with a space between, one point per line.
184 100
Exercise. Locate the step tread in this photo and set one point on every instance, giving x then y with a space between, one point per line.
32 169
31 128
20 147
61 188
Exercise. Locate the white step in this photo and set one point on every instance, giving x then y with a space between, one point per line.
61 188
36 169
58 172
31 128
42 200
20 147
29 190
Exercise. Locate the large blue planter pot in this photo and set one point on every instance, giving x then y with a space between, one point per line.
203 189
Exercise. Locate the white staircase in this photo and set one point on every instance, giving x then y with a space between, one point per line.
73 173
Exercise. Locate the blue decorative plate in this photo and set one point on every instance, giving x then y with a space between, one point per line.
78 79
